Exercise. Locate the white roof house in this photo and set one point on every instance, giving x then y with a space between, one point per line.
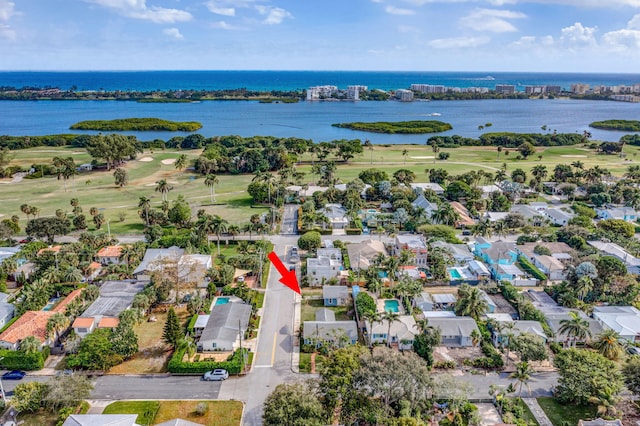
361 255
101 420
422 203
625 320
226 324
455 331
558 217
154 258
326 328
460 252
402 330
336 214
435 187
631 262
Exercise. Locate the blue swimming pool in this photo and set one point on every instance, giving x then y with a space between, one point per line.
50 304
391 305
455 275
222 300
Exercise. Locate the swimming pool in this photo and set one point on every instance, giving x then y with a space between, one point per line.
391 305
50 304
222 300
455 274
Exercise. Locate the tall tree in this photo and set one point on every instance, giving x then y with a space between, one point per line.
523 376
576 328
163 187
211 181
181 162
172 331
56 324
470 302
608 343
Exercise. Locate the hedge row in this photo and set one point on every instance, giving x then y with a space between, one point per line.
233 364
18 360
353 231
531 268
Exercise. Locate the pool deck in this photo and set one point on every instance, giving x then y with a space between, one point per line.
380 306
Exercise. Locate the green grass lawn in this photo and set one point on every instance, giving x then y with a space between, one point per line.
305 362
558 413
309 308
218 413
146 410
97 189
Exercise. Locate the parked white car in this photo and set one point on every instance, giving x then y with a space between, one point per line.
216 375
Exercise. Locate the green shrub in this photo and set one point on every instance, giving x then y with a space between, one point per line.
531 268
445 364
17 360
192 323
353 231
233 364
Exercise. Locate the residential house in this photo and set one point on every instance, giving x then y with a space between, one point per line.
337 216
444 301
92 271
336 295
7 310
322 269
34 323
412 272
456 331
428 186
7 252
487 190
479 270
460 252
465 220
500 256
363 193
511 273
558 216
491 305
422 203
600 422
53 249
115 297
361 255
423 302
403 331
500 335
109 255
628 214
553 268
413 243
496 216
624 320
101 420
157 260
192 269
226 327
326 329
612 249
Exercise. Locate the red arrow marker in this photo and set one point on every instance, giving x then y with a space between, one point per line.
289 278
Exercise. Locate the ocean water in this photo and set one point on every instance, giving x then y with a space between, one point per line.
291 80
312 120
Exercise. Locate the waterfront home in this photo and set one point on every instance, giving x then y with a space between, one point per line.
325 328
456 331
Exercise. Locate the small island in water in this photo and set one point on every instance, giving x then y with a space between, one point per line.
138 124
408 127
624 125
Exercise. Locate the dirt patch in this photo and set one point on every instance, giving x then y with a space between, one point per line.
443 353
168 161
145 159
212 356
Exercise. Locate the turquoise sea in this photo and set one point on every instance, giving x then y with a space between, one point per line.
312 120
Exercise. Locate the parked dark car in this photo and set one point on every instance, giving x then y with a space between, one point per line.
14 375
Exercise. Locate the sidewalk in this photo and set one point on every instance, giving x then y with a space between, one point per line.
97 406
295 353
537 411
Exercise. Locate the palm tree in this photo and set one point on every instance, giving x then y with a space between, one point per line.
435 148
390 317
392 264
30 344
188 345
57 323
211 180
500 228
218 226
71 275
583 286
606 401
470 302
483 228
576 328
523 376
609 345
445 214
405 152
163 187
181 162
373 317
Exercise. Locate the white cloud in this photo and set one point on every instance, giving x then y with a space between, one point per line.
220 8
579 35
223 25
274 15
392 10
173 33
634 23
458 42
625 39
6 10
532 41
138 9
491 20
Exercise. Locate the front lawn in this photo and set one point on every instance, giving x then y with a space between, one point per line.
219 413
560 414
305 362
309 308
146 410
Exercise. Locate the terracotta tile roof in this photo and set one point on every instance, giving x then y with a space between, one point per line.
62 306
82 322
94 265
54 249
108 322
31 323
110 251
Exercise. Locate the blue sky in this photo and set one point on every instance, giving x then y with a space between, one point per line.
413 35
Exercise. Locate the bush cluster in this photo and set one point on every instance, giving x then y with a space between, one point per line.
233 364
18 360
531 268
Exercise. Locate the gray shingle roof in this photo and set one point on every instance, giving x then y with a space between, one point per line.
223 322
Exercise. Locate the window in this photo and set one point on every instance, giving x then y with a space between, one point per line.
82 330
214 345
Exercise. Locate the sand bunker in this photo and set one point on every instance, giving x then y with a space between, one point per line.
423 158
146 159
574 156
168 161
